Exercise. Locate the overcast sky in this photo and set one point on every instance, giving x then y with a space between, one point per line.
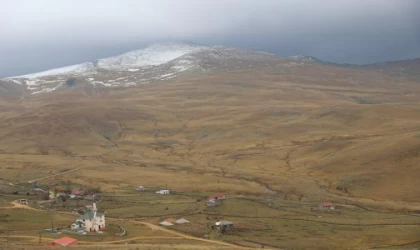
41 34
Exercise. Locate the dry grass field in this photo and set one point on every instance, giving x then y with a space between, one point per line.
297 136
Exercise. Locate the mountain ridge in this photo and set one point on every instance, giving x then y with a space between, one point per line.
157 62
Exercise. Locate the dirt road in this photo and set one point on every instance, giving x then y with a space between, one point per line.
16 204
176 235
53 175
185 236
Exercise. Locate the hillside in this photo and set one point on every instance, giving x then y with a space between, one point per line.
312 132
406 68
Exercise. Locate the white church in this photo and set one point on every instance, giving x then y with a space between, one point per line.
91 221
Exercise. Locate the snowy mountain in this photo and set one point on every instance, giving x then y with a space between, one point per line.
153 55
160 61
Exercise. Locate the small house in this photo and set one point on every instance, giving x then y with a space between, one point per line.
224 226
164 191
182 221
65 241
78 192
166 223
23 201
327 205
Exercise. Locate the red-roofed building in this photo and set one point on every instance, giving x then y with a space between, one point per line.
78 192
218 197
327 205
65 241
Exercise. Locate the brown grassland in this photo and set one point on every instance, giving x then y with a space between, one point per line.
277 142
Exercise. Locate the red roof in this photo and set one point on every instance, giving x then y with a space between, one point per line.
217 196
327 204
65 241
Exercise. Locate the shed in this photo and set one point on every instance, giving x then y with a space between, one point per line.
65 241
23 201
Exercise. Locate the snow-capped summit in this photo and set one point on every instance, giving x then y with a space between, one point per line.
153 55
157 62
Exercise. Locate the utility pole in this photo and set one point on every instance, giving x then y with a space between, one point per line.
40 237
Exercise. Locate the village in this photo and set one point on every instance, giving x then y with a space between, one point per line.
107 217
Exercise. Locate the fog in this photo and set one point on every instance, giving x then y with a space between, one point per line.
44 34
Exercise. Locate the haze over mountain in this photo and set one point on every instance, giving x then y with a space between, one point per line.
62 33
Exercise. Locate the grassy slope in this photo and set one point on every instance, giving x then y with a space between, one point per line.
302 132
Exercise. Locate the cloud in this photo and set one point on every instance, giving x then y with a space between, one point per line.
41 34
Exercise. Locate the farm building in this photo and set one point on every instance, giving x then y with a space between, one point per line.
224 226
92 221
65 241
164 191
327 205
